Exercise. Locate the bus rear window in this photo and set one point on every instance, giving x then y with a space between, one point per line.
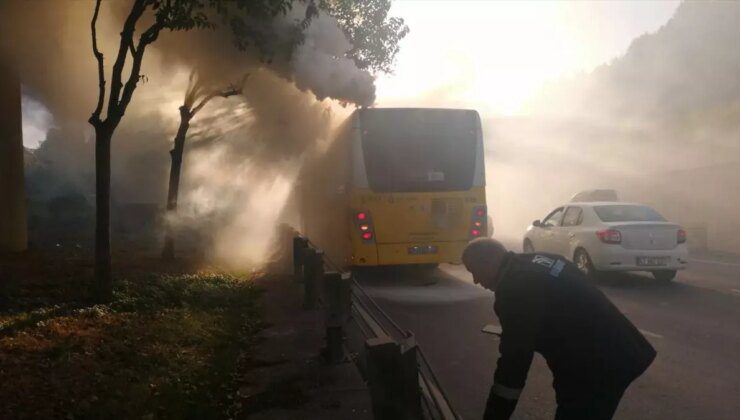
416 150
627 213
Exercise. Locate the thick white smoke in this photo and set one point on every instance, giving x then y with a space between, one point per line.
241 153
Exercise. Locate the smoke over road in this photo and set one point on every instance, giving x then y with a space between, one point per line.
659 124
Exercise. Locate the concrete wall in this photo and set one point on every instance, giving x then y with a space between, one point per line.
13 233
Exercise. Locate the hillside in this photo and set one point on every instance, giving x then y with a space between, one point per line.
661 124
689 66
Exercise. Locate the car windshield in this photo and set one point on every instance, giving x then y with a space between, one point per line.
627 213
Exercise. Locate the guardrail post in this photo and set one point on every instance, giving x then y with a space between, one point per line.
337 296
313 272
410 379
393 378
299 245
381 357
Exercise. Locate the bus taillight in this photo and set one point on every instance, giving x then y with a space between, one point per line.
364 223
478 222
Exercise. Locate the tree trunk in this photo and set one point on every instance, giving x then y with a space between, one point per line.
13 232
103 279
168 252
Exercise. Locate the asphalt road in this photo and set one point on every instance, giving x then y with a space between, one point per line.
693 322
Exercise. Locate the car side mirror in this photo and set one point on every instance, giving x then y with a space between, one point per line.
537 223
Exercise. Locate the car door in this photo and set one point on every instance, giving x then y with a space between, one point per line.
547 231
566 234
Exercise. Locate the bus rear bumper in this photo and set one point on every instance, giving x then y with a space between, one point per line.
413 253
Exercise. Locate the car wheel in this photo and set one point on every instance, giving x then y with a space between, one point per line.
664 275
528 247
584 263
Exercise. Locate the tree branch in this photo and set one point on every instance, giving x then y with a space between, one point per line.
234 90
95 117
131 48
231 91
137 10
149 36
194 91
203 103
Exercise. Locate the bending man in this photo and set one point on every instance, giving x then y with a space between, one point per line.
545 304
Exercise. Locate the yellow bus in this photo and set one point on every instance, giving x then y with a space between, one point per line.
397 186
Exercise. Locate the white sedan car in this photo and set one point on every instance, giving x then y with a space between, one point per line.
611 236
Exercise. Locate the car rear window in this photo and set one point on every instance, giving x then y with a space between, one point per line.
627 213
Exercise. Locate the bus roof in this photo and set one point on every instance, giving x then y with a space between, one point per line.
361 110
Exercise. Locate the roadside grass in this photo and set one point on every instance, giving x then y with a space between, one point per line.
167 346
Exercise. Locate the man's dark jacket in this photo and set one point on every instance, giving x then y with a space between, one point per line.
545 304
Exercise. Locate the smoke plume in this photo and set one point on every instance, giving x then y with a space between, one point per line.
320 65
242 153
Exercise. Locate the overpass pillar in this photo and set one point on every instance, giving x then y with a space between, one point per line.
13 229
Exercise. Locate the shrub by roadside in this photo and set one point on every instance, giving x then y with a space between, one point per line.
167 346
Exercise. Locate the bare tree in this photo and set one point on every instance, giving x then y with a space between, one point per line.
198 94
173 15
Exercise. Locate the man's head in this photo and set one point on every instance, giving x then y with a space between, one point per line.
483 258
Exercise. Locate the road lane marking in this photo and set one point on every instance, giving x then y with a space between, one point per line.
729 264
650 334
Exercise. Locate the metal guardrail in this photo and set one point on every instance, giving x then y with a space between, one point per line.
401 381
436 405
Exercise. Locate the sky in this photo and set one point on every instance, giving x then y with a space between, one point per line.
496 55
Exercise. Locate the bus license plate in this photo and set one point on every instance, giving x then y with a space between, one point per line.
652 261
422 249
